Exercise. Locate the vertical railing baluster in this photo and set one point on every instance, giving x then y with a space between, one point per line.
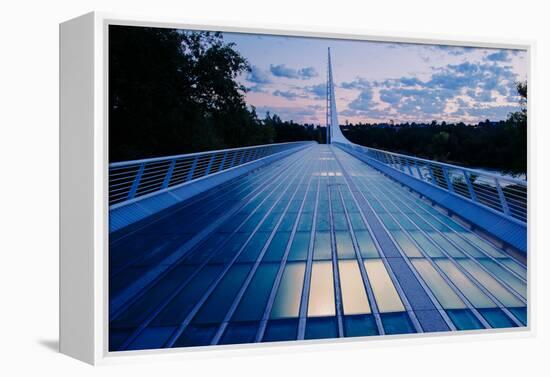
223 161
169 173
210 163
432 176
470 186
233 159
137 181
192 170
420 176
503 201
447 179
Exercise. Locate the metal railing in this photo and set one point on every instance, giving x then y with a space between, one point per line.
502 194
132 179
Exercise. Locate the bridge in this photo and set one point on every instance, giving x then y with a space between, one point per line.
300 241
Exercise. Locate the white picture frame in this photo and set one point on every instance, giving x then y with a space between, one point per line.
84 186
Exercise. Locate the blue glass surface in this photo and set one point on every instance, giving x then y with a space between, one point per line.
253 302
215 308
321 328
281 330
277 247
464 319
520 314
254 247
152 337
299 247
239 332
397 323
497 318
360 325
197 335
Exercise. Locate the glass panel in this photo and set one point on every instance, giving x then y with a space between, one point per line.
215 308
514 266
321 293
239 332
484 245
441 290
464 319
497 318
276 249
300 247
344 245
230 249
357 222
320 328
397 323
429 248
446 245
254 247
152 337
501 293
506 276
385 293
196 335
281 330
469 249
253 302
406 244
305 222
340 221
466 286
322 248
287 300
366 245
360 325
520 314
354 295
180 306
323 221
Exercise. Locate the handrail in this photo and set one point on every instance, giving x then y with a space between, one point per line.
131 179
503 194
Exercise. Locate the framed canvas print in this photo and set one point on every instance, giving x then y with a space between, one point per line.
224 186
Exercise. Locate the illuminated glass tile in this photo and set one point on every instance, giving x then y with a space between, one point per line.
354 295
385 293
514 282
299 247
445 245
492 285
441 290
429 248
304 224
514 266
406 244
484 245
520 314
322 247
321 292
465 246
289 293
474 294
366 244
344 245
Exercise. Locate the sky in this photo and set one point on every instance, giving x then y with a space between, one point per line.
379 81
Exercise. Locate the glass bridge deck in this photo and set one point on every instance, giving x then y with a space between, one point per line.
316 245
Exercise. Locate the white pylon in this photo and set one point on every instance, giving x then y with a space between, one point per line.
334 134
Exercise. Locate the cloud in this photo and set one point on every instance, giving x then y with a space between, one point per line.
358 83
300 114
290 95
307 73
258 76
499 56
319 91
282 70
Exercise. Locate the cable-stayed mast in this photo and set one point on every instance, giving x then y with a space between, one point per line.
333 127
